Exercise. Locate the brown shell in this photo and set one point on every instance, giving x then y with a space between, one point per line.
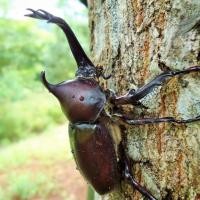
81 99
95 156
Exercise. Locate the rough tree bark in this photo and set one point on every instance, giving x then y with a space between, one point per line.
137 40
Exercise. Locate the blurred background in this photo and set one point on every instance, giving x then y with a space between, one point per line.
35 157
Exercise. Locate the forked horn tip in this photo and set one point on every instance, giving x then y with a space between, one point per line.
30 14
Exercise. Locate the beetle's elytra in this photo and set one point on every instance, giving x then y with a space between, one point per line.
95 156
94 134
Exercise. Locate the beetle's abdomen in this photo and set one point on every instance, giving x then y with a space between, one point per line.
95 156
81 99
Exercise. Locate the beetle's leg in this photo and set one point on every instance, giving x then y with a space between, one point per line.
133 96
129 177
156 120
111 96
78 52
137 186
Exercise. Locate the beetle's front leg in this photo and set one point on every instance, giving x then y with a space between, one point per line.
111 96
156 120
133 96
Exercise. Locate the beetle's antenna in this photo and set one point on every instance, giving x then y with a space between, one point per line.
78 52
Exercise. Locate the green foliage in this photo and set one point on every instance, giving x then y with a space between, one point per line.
28 167
47 149
2 195
17 49
26 186
4 8
30 115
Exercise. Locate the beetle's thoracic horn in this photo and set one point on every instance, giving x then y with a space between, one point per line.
48 85
78 52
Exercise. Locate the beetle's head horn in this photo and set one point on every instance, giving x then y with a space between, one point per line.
85 66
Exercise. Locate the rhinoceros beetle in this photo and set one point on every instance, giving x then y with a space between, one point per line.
95 135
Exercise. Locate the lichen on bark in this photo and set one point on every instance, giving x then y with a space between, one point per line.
136 40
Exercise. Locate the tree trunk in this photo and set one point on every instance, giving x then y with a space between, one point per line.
137 40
